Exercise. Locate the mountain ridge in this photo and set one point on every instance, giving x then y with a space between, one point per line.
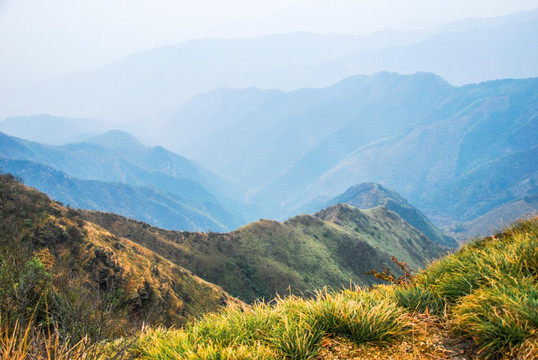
175 74
266 257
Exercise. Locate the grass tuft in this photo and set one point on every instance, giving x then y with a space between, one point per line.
366 317
419 299
296 339
500 317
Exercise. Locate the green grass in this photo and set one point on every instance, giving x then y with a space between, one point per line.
419 299
488 291
499 317
292 328
491 289
513 253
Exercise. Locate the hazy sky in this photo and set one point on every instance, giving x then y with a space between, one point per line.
48 37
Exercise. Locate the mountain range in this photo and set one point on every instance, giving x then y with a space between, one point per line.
457 153
417 134
114 172
264 258
143 85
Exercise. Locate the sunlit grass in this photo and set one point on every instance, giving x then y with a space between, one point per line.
488 290
499 317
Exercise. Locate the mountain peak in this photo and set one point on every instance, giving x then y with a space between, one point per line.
369 195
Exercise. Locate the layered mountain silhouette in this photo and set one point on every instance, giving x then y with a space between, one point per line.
52 130
455 152
114 172
417 134
145 83
461 57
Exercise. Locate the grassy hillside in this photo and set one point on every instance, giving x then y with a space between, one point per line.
65 274
477 303
306 252
368 195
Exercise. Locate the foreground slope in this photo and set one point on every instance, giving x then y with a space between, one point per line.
85 273
477 303
265 258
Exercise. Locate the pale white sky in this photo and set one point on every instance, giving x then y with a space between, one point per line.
41 38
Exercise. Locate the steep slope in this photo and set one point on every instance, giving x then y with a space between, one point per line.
118 157
306 252
85 272
483 137
369 195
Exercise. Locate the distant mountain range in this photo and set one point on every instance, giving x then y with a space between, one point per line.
53 130
473 55
114 172
146 83
455 152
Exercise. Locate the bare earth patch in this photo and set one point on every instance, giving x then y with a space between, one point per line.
429 340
